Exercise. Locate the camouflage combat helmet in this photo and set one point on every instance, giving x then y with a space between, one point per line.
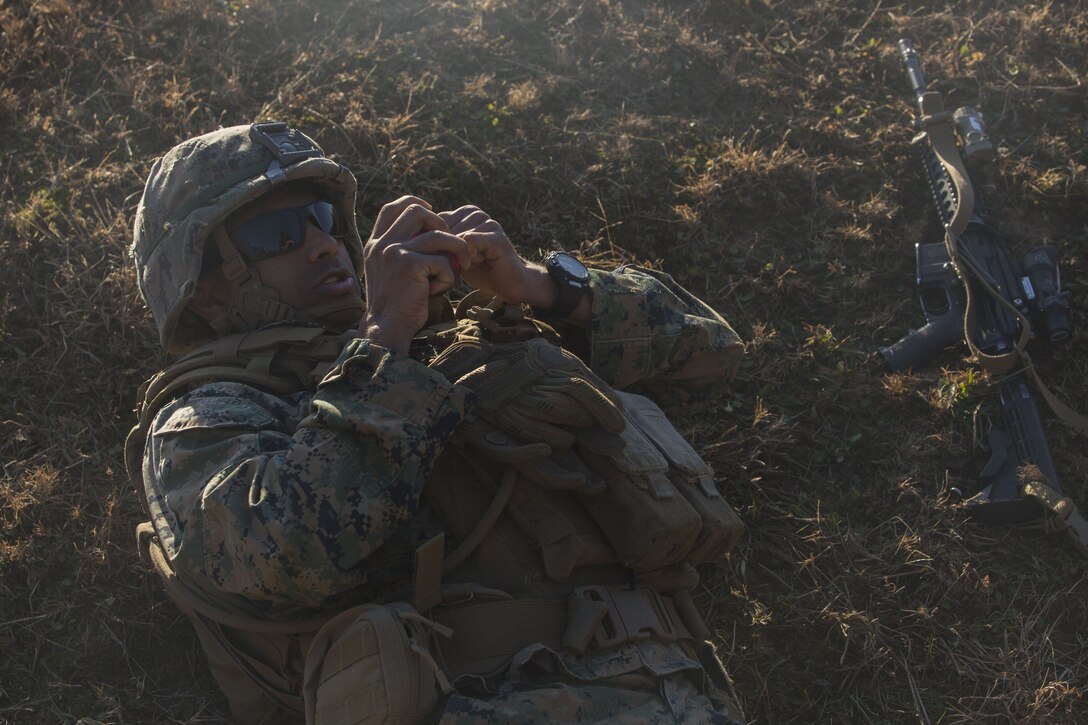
193 189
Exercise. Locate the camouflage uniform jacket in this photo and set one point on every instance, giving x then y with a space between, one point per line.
292 500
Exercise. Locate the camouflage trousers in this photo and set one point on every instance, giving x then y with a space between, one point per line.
643 682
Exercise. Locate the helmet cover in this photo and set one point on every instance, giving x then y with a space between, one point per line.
194 188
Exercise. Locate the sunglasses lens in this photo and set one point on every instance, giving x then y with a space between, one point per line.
280 231
322 214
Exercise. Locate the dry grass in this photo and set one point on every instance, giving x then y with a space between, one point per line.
756 149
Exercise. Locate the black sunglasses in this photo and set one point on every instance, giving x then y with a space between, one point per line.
282 230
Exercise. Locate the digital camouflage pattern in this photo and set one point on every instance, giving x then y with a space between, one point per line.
284 500
314 500
649 331
194 188
643 682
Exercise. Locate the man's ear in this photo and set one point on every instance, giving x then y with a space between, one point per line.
211 298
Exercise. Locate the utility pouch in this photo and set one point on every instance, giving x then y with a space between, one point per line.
642 514
565 535
371 664
693 478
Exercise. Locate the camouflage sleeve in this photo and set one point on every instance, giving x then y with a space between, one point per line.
262 504
649 332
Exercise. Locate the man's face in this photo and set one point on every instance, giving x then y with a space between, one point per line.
317 272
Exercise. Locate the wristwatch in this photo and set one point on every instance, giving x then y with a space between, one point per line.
572 277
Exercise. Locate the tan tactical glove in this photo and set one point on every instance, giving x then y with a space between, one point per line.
536 402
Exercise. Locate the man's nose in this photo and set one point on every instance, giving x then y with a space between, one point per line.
319 244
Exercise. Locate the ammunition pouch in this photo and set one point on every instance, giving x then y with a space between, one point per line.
662 506
588 457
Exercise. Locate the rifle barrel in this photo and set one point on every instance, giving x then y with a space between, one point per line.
913 67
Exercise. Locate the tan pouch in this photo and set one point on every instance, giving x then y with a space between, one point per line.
642 514
542 535
720 527
257 663
565 534
371 664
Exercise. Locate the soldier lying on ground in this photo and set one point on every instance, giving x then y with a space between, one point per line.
396 508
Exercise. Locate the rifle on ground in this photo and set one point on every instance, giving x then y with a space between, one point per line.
972 289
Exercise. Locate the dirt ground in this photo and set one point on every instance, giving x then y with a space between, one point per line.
759 151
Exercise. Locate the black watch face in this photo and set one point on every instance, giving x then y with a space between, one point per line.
572 267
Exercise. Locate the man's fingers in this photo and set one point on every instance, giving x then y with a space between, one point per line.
391 211
488 245
474 221
440 242
415 218
436 269
437 257
458 215
453 261
443 278
477 224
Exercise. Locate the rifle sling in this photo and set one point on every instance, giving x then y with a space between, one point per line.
1064 513
943 142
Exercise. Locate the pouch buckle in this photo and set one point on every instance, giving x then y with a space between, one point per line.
633 614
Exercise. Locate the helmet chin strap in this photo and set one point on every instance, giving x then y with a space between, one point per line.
320 311
253 304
